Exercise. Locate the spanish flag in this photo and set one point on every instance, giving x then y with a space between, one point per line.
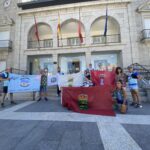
58 29
79 29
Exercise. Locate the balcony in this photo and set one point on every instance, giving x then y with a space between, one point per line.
145 35
48 43
30 4
6 45
70 42
106 39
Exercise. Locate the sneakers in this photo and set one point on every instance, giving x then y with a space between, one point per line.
13 103
138 106
46 99
132 104
39 99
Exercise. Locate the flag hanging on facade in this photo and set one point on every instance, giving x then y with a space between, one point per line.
106 22
59 36
36 30
79 29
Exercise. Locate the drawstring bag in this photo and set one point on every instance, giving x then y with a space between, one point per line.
123 109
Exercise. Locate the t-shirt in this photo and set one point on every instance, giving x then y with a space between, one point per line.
118 95
5 76
132 79
44 80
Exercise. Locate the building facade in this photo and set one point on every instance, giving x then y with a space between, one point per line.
127 40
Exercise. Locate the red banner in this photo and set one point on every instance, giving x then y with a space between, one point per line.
99 99
103 78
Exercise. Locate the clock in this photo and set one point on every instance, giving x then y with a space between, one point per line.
7 3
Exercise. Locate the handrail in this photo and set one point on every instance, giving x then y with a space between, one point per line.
14 70
144 72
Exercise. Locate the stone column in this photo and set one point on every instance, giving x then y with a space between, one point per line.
88 58
55 61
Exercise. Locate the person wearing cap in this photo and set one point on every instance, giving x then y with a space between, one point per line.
6 79
133 78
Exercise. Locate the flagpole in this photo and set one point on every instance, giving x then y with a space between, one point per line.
106 23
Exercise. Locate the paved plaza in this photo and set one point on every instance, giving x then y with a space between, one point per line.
32 125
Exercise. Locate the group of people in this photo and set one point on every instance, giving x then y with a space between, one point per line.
119 93
122 80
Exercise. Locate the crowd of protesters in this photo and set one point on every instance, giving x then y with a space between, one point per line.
119 93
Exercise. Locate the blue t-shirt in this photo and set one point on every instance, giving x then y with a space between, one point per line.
132 79
7 75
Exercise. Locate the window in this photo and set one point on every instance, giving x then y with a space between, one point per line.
4 35
147 23
3 65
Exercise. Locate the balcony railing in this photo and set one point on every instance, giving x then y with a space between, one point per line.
40 44
5 44
106 39
146 34
71 42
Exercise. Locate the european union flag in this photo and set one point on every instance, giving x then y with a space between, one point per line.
106 22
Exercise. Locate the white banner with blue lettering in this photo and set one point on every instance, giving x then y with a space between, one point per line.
24 83
52 80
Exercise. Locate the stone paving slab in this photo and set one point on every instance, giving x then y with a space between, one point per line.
140 133
55 106
139 111
8 105
49 135
45 106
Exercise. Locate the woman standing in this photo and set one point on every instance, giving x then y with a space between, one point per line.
120 76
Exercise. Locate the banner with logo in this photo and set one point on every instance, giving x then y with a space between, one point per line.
75 80
24 83
52 80
102 78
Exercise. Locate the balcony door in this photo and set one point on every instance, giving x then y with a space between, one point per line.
36 63
105 61
147 23
2 65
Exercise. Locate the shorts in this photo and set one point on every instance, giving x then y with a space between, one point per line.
133 87
43 89
121 102
5 89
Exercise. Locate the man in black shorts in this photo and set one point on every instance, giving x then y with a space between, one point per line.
6 79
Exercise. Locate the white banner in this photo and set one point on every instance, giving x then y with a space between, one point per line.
75 80
24 83
52 80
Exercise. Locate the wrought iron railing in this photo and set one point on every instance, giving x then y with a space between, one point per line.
106 39
16 71
146 34
40 44
6 44
71 42
142 70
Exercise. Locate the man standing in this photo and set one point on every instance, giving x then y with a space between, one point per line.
133 86
6 79
43 87
59 73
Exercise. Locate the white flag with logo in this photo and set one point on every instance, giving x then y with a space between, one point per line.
75 80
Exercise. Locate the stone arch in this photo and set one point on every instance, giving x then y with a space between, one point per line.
98 25
69 28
